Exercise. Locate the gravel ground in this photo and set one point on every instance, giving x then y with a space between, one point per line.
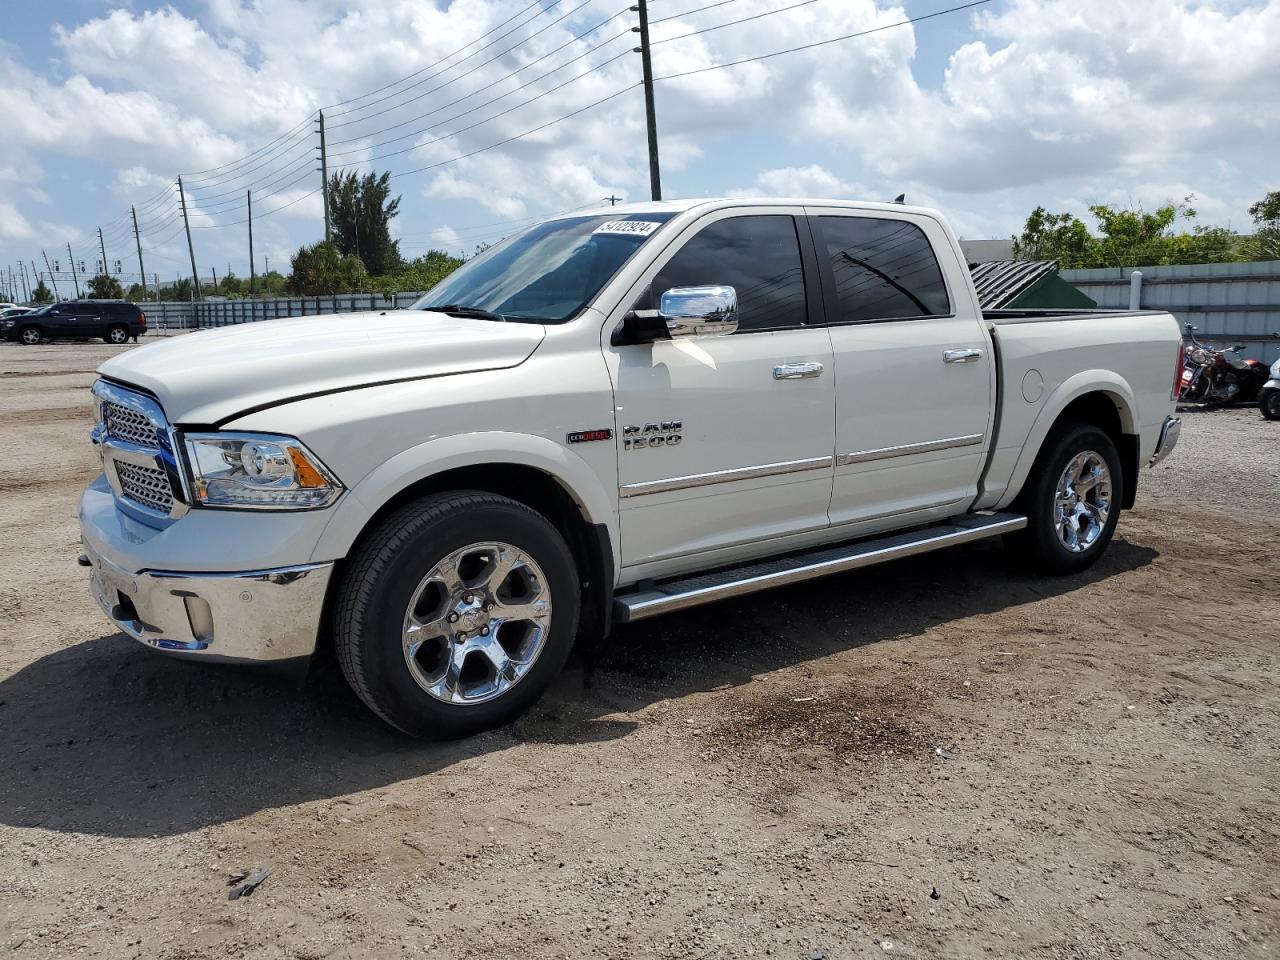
941 757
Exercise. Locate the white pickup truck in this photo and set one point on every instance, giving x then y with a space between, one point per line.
605 417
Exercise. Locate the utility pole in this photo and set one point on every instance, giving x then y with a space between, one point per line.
613 201
195 277
103 247
142 270
324 175
248 197
215 280
52 279
650 115
75 278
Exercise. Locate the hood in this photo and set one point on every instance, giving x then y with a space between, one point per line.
205 377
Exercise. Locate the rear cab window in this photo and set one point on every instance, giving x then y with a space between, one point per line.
882 269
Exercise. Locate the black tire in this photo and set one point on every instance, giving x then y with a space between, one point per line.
1269 403
1041 544
117 333
30 336
384 575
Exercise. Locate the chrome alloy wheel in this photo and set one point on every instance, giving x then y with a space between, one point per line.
118 335
477 623
1083 501
31 336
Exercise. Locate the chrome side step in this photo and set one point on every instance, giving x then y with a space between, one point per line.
707 588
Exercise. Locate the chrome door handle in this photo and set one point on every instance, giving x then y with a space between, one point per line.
797 371
967 355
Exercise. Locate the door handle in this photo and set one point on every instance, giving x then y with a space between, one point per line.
797 371
967 355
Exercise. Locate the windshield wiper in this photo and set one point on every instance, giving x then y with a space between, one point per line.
460 310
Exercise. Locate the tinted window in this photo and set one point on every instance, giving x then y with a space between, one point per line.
757 256
883 269
548 273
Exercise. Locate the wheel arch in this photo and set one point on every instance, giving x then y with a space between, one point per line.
1100 398
531 470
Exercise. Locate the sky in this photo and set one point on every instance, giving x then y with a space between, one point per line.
490 113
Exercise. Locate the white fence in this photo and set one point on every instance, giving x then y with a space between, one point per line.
175 316
1228 302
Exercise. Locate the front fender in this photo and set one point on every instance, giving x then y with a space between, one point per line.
354 510
1106 382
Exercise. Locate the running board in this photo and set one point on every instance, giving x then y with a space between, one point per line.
707 588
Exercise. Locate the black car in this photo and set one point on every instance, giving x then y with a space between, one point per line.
115 321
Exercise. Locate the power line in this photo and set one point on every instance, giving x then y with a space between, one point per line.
385 86
418 83
508 76
523 103
734 23
822 43
689 13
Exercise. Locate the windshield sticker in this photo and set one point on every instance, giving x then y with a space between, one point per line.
630 228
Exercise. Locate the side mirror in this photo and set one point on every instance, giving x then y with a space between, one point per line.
699 311
1238 347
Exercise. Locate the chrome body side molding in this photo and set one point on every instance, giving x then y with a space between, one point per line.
906 449
724 476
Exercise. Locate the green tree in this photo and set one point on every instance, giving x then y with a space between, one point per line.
419 274
105 287
41 294
322 269
271 284
1055 236
360 213
1265 242
179 291
233 286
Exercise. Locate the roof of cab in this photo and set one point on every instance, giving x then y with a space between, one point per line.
715 203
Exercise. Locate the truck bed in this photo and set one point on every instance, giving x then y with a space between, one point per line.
1047 357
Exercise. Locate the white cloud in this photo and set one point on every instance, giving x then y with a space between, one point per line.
1061 102
810 181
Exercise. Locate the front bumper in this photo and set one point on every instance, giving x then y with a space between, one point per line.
1169 434
257 615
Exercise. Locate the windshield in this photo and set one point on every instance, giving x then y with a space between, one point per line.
548 273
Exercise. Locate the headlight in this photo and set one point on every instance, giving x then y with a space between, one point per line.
257 470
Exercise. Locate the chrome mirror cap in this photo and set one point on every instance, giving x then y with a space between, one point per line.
700 311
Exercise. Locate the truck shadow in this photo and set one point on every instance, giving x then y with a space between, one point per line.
107 738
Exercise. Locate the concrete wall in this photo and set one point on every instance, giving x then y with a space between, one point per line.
1229 303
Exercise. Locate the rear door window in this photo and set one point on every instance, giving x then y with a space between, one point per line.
883 269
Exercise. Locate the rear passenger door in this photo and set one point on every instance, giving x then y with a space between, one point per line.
914 375
88 320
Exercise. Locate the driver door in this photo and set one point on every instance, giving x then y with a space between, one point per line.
725 443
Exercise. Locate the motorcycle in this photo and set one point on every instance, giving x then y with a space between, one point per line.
1269 395
1212 376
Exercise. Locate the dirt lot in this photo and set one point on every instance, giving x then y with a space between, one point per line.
938 758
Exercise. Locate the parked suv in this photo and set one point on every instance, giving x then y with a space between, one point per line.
115 321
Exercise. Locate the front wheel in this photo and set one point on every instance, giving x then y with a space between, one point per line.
31 336
456 613
1269 403
1071 500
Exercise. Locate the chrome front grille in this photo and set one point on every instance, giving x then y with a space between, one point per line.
145 485
139 461
128 424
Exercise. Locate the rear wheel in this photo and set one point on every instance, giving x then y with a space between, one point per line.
30 336
456 614
1269 403
1071 500
117 333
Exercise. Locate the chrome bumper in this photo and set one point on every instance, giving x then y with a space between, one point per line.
1168 440
257 615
